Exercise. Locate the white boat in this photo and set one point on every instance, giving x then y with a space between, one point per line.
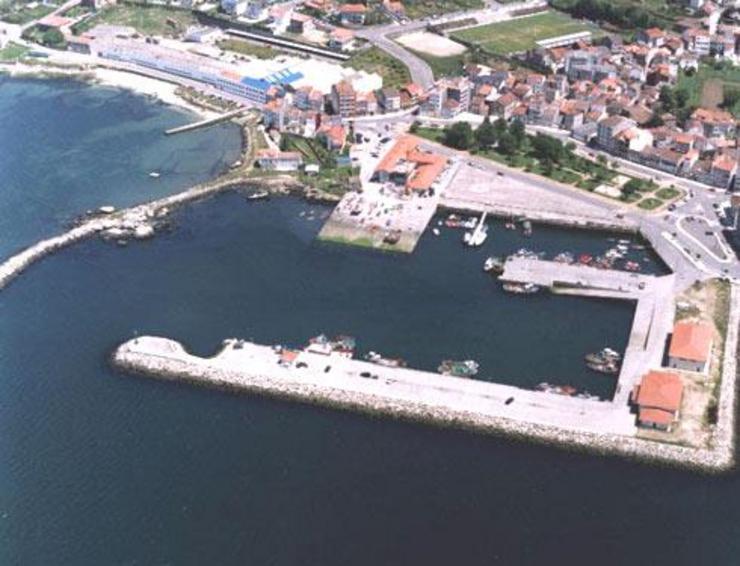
435 231
107 209
154 175
478 235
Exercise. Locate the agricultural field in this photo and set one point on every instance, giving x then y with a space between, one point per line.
373 60
147 20
522 33
713 87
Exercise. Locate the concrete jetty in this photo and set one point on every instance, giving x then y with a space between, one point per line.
205 123
654 307
331 380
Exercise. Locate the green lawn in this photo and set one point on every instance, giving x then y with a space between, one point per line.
12 51
649 203
19 14
443 66
373 60
147 20
701 85
248 49
416 9
667 193
521 34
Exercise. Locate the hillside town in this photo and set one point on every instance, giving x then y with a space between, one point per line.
615 94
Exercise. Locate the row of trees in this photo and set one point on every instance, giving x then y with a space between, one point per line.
621 15
508 139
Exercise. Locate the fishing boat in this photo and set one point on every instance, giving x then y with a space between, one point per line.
464 368
376 358
154 175
527 228
585 259
521 288
605 355
341 345
564 257
453 221
607 367
478 235
258 194
632 266
494 265
568 390
435 231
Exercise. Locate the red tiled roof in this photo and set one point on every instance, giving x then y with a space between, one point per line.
691 341
353 9
655 416
659 390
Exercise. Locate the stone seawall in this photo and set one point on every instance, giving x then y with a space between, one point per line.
177 365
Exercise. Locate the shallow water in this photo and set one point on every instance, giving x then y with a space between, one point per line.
66 147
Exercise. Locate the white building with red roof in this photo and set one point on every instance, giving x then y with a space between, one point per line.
691 346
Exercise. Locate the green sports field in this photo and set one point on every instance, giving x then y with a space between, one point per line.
522 33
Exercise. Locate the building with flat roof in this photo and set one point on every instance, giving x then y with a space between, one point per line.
691 346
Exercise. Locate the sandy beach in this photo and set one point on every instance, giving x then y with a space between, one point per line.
161 90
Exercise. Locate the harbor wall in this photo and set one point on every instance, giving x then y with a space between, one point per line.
718 458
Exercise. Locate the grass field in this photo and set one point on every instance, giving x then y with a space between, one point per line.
709 86
373 60
521 34
443 66
12 51
18 13
416 9
248 49
147 20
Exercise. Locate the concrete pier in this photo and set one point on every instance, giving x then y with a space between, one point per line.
205 123
334 381
654 308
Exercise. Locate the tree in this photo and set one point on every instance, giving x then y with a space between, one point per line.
601 159
485 135
53 38
507 144
517 132
667 98
414 127
459 136
548 149
500 126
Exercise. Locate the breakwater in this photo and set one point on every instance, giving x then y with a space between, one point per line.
439 400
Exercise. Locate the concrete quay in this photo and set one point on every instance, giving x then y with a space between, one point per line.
578 424
654 308
205 123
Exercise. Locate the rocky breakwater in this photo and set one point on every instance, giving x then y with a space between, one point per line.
245 367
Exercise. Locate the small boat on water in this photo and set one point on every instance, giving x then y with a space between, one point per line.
564 257
107 209
568 390
376 358
632 266
521 288
258 194
435 231
494 265
464 368
527 228
478 235
604 361
585 259
154 175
